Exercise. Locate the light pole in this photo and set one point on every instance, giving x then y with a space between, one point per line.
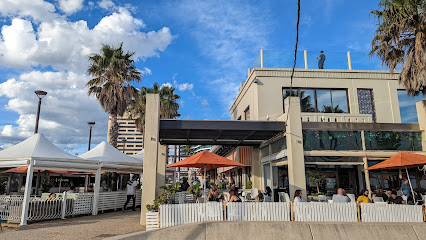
40 94
90 132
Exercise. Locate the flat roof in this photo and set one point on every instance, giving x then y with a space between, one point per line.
217 132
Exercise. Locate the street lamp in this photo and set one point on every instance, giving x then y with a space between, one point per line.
40 94
90 133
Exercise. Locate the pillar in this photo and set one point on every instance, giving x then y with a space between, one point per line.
349 60
261 58
421 116
294 139
365 161
152 133
256 169
305 56
96 192
161 167
27 193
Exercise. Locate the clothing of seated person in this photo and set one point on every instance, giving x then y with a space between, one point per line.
185 185
363 197
268 192
339 197
213 197
382 194
233 197
417 199
395 199
298 196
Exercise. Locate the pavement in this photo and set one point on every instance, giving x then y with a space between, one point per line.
101 226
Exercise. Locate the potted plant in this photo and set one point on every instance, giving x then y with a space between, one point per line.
152 218
249 184
195 191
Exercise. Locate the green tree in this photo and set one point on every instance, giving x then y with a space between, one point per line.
113 71
400 40
315 177
188 150
169 105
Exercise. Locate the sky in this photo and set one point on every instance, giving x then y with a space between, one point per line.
202 48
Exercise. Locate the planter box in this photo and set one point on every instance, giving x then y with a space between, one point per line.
152 221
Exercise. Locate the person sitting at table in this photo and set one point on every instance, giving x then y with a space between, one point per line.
395 199
213 197
340 197
72 189
298 196
363 197
382 194
233 197
52 196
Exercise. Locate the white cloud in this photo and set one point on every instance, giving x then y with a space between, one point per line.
38 10
146 71
70 6
65 45
204 103
107 4
65 110
166 85
185 86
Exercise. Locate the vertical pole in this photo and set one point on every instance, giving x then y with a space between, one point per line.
37 182
365 160
96 191
27 193
86 182
121 181
305 55
9 182
38 116
90 137
349 61
64 204
261 58
411 186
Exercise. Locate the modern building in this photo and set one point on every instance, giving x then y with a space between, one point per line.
338 122
130 139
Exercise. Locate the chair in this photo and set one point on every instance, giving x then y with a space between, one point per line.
330 201
227 196
283 197
378 200
405 198
351 196
181 199
248 196
267 199
254 192
201 200
322 198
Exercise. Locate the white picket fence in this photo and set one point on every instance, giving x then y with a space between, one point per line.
325 212
391 213
178 214
258 211
83 204
116 200
10 208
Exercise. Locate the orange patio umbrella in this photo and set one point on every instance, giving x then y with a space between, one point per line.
401 160
206 160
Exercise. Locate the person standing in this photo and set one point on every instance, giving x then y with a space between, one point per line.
321 60
405 188
131 192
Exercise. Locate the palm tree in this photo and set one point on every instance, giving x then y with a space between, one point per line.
401 40
113 71
188 150
169 105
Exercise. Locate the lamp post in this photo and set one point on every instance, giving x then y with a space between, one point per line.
90 132
40 94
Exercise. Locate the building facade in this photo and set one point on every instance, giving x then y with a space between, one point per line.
130 139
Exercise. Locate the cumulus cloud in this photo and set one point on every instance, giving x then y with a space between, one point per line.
166 85
38 10
107 4
185 86
70 6
65 109
65 45
146 71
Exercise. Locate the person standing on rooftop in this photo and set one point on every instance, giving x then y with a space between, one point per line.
321 60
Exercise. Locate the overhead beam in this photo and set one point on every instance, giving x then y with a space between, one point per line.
218 135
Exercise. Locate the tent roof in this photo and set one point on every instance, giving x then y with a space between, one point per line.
139 156
105 152
36 147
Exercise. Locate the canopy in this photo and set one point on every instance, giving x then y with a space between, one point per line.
139 156
63 172
400 161
35 147
206 159
105 152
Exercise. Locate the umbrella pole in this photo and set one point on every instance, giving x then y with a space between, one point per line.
412 192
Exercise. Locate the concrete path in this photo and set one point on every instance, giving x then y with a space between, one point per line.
82 227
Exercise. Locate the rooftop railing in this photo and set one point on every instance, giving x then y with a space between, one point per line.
308 60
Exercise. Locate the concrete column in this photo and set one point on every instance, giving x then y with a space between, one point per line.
295 155
152 132
421 115
305 55
96 191
27 194
161 167
256 168
261 58
365 161
349 60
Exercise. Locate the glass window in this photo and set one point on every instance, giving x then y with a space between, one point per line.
402 141
265 151
407 106
247 113
331 140
340 101
286 93
279 145
307 100
324 101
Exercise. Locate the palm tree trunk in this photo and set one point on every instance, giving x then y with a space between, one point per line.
113 132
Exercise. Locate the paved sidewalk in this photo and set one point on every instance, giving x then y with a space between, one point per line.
84 227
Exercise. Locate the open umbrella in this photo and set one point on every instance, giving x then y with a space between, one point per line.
401 160
206 160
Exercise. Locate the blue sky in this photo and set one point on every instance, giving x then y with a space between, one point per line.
201 48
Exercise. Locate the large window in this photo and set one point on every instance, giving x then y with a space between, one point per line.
331 140
401 141
407 106
320 100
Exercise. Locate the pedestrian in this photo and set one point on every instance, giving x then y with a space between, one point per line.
321 60
340 197
131 192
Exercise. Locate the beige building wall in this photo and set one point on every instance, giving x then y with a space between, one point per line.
130 139
266 95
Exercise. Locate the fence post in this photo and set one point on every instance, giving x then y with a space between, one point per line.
358 206
64 205
292 211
